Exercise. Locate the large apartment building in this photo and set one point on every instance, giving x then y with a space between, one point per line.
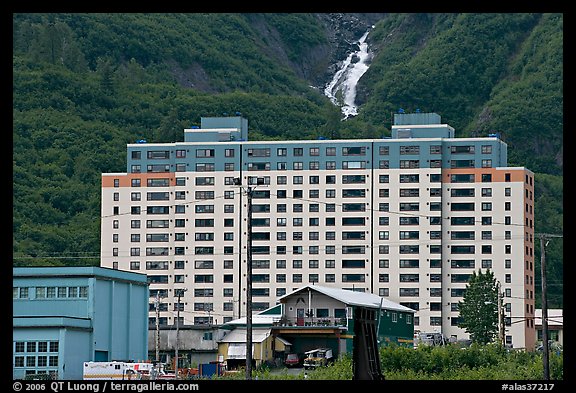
408 218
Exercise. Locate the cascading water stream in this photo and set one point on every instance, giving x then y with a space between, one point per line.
342 89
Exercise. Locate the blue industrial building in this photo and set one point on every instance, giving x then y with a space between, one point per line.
65 316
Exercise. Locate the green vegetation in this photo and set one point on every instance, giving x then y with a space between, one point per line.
451 362
85 85
481 72
474 363
478 311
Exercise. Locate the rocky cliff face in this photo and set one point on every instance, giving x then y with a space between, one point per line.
342 31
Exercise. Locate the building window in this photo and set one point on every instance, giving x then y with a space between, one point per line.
435 149
486 264
354 151
486 206
409 164
258 166
486 192
462 178
280 264
409 291
414 149
298 166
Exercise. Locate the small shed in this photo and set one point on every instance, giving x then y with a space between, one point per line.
232 347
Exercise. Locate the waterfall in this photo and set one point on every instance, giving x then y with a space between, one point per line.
342 89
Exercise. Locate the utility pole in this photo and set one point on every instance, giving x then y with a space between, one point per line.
249 193
545 354
500 317
544 309
249 289
157 305
180 292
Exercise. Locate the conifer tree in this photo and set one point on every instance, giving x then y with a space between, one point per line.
479 308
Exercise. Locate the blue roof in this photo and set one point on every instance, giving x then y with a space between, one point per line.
75 271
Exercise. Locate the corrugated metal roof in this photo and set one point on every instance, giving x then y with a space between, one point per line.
353 298
239 336
257 319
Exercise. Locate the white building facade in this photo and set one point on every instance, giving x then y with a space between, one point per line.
408 218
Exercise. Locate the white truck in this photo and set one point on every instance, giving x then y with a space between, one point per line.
319 357
115 370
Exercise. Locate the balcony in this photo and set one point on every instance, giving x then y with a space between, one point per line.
313 322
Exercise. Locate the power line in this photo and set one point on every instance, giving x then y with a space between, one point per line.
400 213
544 239
406 214
317 201
193 202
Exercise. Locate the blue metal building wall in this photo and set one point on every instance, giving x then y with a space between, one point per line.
111 320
